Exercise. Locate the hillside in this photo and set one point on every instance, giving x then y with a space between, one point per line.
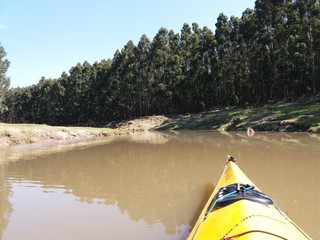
299 116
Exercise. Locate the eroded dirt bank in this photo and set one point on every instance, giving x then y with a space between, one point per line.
15 134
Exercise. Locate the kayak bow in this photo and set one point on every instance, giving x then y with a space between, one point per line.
238 210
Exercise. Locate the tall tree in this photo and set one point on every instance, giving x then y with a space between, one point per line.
103 93
186 84
124 76
159 57
224 52
196 67
143 83
247 48
209 66
311 12
271 18
175 72
4 80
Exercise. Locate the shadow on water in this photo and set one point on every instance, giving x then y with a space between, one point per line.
206 194
163 177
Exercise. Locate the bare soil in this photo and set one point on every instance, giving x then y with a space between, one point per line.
15 134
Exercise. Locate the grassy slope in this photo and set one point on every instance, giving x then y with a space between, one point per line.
303 115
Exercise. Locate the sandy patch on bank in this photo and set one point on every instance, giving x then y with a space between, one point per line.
15 134
143 124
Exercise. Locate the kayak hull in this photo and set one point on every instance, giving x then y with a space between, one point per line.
243 218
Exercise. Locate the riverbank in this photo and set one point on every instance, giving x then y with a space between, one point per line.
302 115
15 134
299 116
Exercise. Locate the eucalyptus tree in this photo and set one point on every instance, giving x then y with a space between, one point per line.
115 76
73 86
124 76
273 22
297 55
264 48
77 96
88 79
56 98
21 105
12 115
235 63
159 57
208 69
175 72
102 92
309 11
247 47
143 84
196 67
314 44
223 48
185 52
39 101
4 80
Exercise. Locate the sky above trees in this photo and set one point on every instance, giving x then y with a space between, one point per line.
270 53
45 38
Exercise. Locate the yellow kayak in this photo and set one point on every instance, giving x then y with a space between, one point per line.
237 210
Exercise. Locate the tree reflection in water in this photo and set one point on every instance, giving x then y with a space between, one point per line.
5 206
167 178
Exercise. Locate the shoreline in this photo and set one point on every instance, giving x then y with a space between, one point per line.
20 134
300 116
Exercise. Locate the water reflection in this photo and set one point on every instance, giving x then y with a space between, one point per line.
35 150
164 180
5 206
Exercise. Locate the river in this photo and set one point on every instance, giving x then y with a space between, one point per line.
148 186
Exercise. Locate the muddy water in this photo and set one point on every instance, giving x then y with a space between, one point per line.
148 186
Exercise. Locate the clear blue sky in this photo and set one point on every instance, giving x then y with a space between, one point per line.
47 37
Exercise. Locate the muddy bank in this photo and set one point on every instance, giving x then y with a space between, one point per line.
16 134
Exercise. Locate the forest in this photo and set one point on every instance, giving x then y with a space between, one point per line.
270 53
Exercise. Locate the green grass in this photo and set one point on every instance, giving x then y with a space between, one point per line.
297 116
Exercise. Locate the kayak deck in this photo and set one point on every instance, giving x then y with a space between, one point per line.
238 210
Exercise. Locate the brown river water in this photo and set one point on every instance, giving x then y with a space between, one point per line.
148 186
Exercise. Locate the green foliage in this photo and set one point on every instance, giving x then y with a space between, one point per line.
270 53
4 81
282 116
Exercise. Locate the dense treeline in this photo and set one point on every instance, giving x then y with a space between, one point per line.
270 53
